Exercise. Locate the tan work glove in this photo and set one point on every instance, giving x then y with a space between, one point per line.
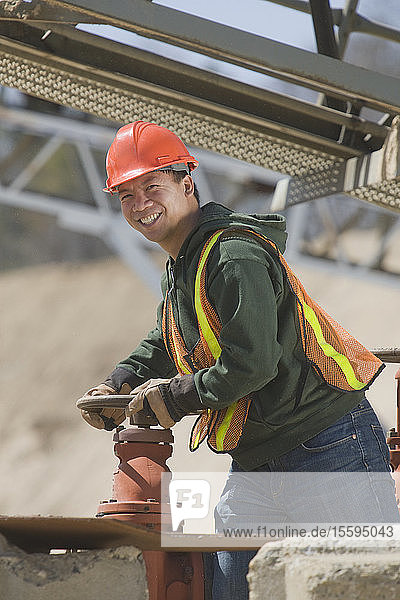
149 390
105 418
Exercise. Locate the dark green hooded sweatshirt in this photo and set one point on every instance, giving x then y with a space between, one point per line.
262 351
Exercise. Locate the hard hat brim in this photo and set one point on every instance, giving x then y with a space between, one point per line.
192 164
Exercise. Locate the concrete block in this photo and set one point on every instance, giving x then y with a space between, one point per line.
332 570
116 573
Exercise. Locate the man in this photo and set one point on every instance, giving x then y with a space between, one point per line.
276 382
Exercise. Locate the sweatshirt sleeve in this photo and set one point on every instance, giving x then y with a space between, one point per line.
149 360
245 298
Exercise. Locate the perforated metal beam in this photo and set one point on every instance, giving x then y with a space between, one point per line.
374 177
239 125
221 42
288 117
123 99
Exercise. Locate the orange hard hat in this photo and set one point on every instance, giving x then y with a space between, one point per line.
141 147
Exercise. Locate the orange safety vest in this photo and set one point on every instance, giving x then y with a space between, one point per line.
338 357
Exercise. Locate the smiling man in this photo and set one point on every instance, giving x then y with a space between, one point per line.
275 381
162 208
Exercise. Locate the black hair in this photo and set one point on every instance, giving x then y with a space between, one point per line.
178 176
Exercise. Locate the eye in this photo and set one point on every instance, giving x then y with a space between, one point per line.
125 197
151 186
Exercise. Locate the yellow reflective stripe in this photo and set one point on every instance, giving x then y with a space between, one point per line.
223 428
178 358
196 440
206 330
341 360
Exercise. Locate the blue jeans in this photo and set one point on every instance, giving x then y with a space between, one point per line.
354 445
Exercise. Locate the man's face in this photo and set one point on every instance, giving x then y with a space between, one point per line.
158 207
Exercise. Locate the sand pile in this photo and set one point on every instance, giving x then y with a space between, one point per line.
63 328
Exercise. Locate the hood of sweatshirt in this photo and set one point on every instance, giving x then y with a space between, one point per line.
215 216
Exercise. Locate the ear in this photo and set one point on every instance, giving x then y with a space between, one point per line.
188 185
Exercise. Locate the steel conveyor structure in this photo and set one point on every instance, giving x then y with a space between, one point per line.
324 149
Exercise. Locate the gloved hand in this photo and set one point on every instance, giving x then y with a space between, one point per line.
105 418
149 391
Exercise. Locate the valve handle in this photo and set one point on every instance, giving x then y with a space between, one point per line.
143 418
106 401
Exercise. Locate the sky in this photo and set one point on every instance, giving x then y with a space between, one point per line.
280 23
260 17
283 24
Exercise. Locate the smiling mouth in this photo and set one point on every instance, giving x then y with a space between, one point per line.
150 219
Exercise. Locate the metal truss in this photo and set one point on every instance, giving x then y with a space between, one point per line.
333 234
325 148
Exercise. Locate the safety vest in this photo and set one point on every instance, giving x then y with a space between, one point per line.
341 361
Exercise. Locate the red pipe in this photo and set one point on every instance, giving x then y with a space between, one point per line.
137 498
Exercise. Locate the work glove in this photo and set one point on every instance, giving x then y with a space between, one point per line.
148 395
105 418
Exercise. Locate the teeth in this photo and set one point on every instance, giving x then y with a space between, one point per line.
149 219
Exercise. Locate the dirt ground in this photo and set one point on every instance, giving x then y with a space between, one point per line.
62 329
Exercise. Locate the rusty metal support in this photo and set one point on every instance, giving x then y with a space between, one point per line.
137 499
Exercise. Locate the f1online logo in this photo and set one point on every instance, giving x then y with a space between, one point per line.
189 499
